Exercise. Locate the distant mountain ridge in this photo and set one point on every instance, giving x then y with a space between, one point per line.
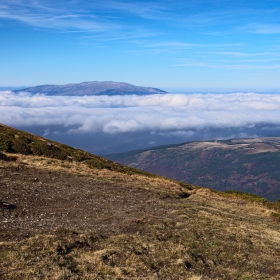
92 88
247 165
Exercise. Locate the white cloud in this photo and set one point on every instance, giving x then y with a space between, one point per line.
264 28
119 126
46 132
91 17
179 133
179 113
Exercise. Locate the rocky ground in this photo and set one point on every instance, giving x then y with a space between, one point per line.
41 200
68 223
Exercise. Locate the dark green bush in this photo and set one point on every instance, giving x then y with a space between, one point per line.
5 143
275 216
21 147
97 164
246 196
42 148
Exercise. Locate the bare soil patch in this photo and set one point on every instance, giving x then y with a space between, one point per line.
104 225
44 200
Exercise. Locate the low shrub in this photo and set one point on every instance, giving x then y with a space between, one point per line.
275 216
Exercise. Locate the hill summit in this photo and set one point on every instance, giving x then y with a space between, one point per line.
92 88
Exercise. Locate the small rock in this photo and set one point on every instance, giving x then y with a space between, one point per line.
6 205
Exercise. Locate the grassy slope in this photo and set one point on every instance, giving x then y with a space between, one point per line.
207 235
222 165
19 142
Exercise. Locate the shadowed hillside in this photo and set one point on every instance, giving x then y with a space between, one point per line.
19 142
248 165
63 218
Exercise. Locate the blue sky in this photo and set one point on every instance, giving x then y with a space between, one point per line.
175 45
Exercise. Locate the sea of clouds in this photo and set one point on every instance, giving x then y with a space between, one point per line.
130 122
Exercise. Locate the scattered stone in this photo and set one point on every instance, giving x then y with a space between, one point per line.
6 205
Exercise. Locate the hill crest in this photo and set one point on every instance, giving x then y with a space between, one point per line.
92 88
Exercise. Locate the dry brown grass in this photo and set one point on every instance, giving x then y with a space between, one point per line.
208 237
164 186
202 237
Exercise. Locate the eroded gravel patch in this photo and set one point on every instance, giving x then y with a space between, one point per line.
46 200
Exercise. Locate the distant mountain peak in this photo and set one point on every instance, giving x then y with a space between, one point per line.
92 88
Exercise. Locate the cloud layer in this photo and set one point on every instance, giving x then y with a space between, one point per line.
184 116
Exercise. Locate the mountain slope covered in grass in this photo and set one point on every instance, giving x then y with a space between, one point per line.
19 142
248 165
62 218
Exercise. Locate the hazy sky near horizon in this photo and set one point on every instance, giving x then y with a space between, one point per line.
180 45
